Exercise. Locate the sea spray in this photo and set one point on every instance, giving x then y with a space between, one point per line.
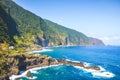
33 70
98 73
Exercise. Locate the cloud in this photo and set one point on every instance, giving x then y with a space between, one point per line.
108 40
111 38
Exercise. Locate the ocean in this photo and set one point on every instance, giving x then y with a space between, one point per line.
107 57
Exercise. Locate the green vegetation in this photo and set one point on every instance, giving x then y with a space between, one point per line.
11 59
73 36
4 61
24 29
25 40
8 58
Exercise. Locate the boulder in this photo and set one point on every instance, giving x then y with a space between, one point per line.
29 74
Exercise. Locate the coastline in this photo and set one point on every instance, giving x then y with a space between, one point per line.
14 77
94 70
37 51
47 49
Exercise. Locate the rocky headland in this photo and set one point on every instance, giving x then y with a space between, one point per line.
25 62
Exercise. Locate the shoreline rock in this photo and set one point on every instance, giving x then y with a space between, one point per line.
25 62
28 74
79 64
49 62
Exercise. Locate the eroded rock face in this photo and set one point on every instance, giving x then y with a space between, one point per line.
23 62
93 67
49 61
95 42
79 64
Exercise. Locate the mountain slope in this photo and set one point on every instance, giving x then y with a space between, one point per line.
26 29
7 25
74 37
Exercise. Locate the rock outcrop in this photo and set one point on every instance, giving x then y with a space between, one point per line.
24 62
29 74
79 64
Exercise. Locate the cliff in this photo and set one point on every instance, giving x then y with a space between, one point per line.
96 42
22 62
23 28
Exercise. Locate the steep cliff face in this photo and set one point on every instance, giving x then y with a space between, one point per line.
96 42
73 37
21 62
28 29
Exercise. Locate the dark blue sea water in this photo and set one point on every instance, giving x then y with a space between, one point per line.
108 57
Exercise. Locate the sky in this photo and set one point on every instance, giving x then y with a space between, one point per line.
95 18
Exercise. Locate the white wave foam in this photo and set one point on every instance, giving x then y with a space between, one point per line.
101 68
86 64
98 73
44 50
103 74
68 60
33 78
14 77
72 60
33 70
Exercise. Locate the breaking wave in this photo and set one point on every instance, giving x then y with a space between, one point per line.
98 73
33 70
44 50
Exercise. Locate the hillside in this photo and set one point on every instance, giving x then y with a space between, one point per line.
73 36
25 29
